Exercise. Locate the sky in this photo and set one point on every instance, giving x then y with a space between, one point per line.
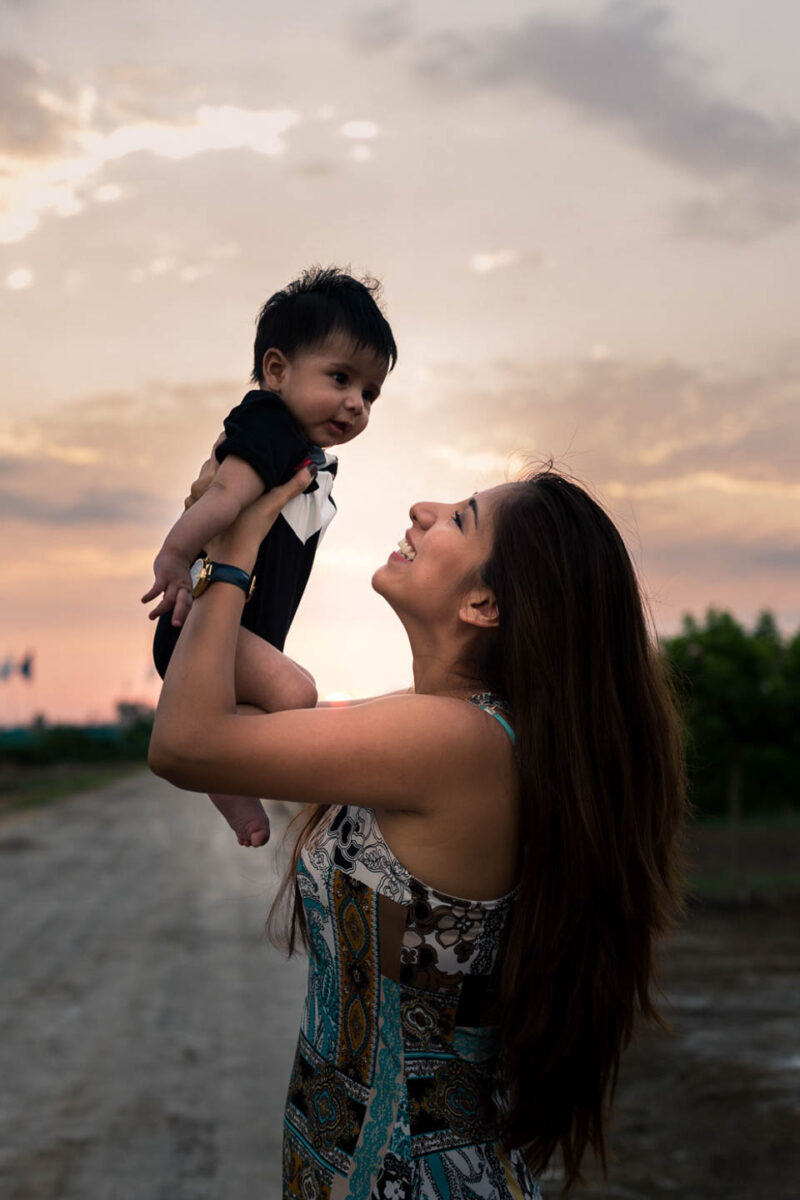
586 220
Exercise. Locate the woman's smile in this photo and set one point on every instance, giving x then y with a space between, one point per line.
407 551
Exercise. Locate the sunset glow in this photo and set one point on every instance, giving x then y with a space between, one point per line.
584 215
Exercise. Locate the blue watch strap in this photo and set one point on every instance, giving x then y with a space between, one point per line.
224 573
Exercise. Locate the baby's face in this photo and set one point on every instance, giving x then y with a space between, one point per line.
329 389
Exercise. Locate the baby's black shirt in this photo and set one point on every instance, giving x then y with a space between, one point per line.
262 431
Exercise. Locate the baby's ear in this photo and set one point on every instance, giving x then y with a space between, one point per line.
480 608
273 368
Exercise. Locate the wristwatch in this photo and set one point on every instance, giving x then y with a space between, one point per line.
214 572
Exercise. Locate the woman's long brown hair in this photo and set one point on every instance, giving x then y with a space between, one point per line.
600 755
602 792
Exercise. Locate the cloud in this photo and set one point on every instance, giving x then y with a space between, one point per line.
643 421
111 458
133 92
93 507
57 559
624 68
687 460
19 279
482 462
779 557
715 481
734 557
384 26
209 127
34 120
359 129
736 218
316 168
493 260
54 149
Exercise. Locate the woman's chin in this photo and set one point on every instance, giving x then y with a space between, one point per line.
378 578
382 582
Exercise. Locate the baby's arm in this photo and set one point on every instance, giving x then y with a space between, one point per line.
235 485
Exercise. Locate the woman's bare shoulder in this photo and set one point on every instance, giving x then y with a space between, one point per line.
434 716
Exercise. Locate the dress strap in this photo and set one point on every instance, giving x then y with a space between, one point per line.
495 707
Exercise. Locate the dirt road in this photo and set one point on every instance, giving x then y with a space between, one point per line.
146 1030
713 1112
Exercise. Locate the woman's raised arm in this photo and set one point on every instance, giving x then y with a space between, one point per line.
404 751
409 753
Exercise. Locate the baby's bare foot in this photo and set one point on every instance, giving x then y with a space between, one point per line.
246 817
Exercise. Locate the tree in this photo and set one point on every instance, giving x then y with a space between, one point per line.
738 689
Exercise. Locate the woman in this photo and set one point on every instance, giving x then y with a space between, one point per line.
489 861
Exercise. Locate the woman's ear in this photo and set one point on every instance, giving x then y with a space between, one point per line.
480 608
273 369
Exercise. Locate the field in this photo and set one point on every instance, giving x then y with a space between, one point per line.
24 787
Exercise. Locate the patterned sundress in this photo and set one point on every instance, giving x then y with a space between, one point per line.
390 1092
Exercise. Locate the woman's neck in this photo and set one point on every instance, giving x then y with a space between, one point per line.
437 677
442 659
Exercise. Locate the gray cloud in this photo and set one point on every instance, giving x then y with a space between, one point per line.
383 27
147 92
778 557
698 468
92 507
111 458
638 423
734 558
737 218
40 110
29 127
317 168
624 68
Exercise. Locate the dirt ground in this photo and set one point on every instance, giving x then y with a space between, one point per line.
146 1030
713 1111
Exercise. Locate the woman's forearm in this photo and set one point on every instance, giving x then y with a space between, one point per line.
197 708
198 694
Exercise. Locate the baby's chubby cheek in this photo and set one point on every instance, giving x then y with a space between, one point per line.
358 428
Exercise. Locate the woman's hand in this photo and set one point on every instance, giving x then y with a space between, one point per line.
238 545
199 692
237 542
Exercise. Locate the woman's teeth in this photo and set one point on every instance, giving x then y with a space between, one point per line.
406 549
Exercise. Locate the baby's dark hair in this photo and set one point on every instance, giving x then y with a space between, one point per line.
324 300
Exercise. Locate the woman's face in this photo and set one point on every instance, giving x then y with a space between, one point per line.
440 557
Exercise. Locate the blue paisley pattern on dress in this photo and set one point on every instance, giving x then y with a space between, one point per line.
390 1096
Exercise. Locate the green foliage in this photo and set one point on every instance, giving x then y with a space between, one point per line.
41 744
741 692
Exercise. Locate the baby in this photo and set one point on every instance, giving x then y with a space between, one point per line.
322 351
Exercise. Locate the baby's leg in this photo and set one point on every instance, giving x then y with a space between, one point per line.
269 679
266 681
244 814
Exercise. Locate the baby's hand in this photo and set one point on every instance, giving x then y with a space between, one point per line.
172 577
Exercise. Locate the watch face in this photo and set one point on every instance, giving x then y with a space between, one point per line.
200 571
